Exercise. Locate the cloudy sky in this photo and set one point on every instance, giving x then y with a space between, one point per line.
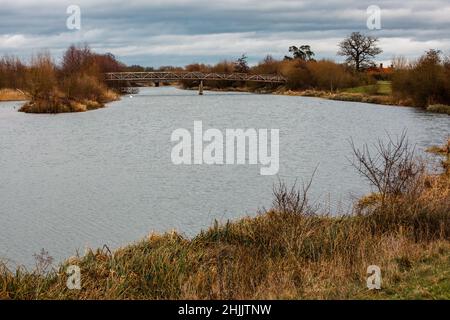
179 32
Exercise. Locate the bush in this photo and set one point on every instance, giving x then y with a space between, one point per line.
42 82
297 74
77 85
425 82
83 87
328 75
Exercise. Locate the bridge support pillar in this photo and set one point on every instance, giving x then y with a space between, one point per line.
200 88
157 84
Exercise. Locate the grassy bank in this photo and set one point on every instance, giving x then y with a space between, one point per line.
439 108
287 252
343 96
378 93
12 95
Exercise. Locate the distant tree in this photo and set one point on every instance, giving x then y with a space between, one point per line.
425 82
107 62
42 76
302 53
268 59
76 59
241 65
359 50
169 68
135 68
268 65
400 63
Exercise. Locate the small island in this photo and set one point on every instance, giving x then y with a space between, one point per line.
76 85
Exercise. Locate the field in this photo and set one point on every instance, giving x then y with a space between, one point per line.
380 88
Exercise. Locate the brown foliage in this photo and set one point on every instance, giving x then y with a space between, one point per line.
76 85
13 73
425 82
42 82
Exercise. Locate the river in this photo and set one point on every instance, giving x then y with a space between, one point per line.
71 181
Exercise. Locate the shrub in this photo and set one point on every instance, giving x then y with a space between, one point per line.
425 82
392 170
42 81
297 73
328 75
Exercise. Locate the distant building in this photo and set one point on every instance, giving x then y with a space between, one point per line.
380 72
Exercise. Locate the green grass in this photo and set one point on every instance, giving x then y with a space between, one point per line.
427 278
380 88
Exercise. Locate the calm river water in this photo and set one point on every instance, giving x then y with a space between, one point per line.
71 181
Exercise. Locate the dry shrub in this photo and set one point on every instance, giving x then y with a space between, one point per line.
13 73
408 199
12 95
425 82
393 169
328 75
77 85
297 74
42 80
268 65
84 87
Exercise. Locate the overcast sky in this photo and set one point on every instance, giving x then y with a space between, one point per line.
179 32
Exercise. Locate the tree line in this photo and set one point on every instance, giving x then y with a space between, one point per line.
78 82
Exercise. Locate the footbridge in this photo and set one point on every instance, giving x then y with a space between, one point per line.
163 76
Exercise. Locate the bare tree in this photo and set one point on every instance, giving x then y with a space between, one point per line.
400 63
393 169
293 200
359 50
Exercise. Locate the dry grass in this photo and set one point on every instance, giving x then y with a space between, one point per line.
276 255
439 108
12 95
288 252
344 96
58 103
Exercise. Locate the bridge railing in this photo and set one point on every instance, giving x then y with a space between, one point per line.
176 76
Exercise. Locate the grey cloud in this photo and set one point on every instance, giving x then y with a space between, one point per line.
180 31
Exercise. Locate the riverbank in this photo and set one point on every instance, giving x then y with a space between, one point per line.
331 95
379 93
364 98
12 95
287 252
345 96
